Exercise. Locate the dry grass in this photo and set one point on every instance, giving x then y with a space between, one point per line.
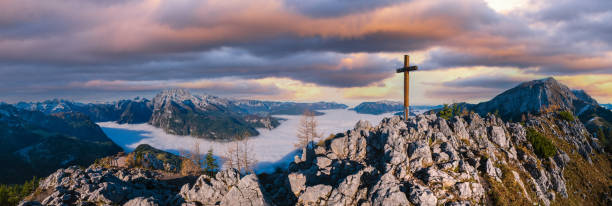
508 192
586 183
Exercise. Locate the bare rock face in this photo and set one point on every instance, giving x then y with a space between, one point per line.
141 201
246 192
315 195
211 191
420 195
427 160
75 186
424 160
387 192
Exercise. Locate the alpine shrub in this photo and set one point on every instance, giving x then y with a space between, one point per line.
542 146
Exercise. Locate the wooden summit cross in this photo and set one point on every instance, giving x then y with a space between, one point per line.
406 69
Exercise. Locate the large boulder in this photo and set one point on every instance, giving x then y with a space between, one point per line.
387 192
141 201
297 182
498 135
246 192
207 190
315 195
421 195
349 191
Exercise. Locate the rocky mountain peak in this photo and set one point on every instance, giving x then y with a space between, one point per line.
533 97
424 160
174 94
550 87
184 98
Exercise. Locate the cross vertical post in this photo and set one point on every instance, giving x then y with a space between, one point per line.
406 88
406 69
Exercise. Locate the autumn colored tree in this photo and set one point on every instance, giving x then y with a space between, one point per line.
240 156
307 131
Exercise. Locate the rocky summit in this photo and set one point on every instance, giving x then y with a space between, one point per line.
425 160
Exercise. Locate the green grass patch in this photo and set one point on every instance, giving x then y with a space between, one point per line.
566 115
542 146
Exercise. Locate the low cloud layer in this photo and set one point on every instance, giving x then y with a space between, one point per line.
272 148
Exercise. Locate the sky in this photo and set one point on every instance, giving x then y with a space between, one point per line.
294 50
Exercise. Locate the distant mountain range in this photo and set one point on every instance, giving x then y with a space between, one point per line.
124 111
33 143
424 160
179 112
607 106
536 96
381 107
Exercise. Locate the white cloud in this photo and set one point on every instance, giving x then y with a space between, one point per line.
272 147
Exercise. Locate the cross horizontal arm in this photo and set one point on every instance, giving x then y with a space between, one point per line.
406 69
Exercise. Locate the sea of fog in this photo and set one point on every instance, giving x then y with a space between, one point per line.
272 148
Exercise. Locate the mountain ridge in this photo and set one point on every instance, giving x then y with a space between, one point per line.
537 96
424 160
204 116
36 144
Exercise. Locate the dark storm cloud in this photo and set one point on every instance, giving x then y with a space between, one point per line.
324 68
565 10
571 37
119 34
45 45
374 42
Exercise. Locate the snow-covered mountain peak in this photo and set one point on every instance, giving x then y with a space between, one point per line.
184 98
175 94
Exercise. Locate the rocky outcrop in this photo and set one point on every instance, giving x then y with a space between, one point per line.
96 185
428 160
537 96
210 191
425 160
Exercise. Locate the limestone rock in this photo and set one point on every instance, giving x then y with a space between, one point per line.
387 192
464 189
498 135
213 190
246 192
315 195
141 201
420 195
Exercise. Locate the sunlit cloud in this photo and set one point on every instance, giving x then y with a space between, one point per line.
299 50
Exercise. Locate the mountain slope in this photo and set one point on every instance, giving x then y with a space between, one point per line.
36 144
535 97
124 111
378 107
425 160
179 112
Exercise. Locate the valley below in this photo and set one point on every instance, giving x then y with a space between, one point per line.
272 147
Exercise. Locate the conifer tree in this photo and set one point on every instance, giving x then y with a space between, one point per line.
210 163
